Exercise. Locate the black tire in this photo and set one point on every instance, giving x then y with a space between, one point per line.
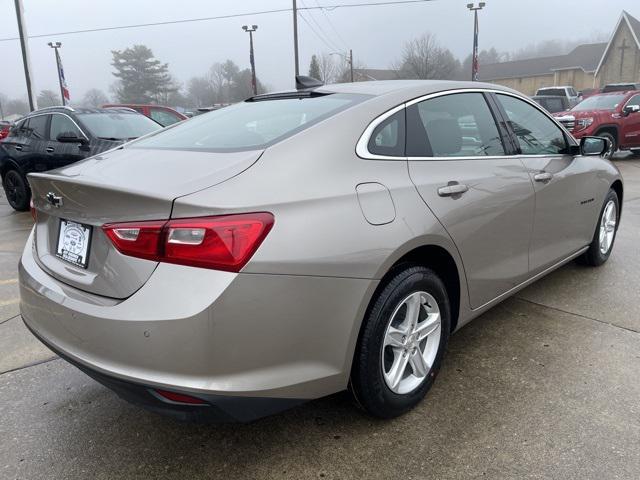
17 190
594 256
367 378
613 144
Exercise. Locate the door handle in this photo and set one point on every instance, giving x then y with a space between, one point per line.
49 149
18 147
450 190
543 177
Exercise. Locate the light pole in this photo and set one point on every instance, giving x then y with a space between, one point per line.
474 62
349 60
55 47
252 60
26 61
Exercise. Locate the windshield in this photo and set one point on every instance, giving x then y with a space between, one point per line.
118 126
249 125
599 102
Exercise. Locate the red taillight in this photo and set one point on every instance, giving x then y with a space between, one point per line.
179 397
221 243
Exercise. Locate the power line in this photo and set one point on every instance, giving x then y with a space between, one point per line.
327 8
329 41
331 47
326 15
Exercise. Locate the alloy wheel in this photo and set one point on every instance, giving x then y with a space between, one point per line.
607 227
411 342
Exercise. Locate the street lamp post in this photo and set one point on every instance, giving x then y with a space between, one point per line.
250 30
56 46
348 58
474 62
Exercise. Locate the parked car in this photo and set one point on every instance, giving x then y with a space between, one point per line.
613 116
57 136
567 92
620 87
239 263
552 104
165 116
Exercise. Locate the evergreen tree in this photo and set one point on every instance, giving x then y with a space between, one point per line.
314 68
141 77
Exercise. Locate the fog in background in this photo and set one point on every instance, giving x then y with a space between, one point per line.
375 33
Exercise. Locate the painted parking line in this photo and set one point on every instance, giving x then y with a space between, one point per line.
11 301
10 281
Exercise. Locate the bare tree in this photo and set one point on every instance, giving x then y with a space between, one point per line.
329 69
424 58
199 92
94 98
49 98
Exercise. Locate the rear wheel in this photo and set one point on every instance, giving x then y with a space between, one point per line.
605 234
402 343
613 144
17 190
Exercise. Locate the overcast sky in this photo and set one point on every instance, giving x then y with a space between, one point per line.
376 34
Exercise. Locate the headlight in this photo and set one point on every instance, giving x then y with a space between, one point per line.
584 123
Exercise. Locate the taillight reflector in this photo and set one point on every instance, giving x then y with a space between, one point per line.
221 243
180 397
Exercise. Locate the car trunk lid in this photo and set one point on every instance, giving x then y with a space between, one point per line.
119 186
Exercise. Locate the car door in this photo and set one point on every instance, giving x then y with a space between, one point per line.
62 154
462 164
563 221
630 134
34 157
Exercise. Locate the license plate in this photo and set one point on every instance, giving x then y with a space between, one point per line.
74 240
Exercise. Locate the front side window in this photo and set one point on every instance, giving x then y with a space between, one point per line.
250 125
458 125
118 126
38 126
62 124
536 133
163 117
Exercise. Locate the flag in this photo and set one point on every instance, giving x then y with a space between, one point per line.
63 81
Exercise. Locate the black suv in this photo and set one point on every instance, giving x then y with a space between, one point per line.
57 136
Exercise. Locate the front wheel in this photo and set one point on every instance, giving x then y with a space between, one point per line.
17 190
402 342
605 234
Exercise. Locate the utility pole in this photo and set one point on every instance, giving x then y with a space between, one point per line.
474 63
56 46
351 63
24 45
252 60
295 37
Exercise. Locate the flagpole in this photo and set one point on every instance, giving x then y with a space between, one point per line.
56 46
474 61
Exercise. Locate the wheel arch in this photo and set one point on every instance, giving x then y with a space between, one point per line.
619 189
9 164
610 128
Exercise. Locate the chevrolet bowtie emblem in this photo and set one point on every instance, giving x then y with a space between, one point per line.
54 200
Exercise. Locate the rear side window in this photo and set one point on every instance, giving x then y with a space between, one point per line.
536 133
458 125
38 126
388 138
249 125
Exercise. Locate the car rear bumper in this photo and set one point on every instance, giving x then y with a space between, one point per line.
205 333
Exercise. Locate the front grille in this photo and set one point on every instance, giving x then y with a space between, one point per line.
568 121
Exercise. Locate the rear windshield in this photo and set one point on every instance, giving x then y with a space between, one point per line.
552 105
599 102
118 126
249 125
553 92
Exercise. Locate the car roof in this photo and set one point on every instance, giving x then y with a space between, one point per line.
81 110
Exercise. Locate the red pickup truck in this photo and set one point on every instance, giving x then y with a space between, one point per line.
615 116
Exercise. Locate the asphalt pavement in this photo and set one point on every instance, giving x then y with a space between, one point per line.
546 385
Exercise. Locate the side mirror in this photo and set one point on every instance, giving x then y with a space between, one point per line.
629 109
593 146
70 137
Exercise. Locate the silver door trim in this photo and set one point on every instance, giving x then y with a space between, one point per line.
362 147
